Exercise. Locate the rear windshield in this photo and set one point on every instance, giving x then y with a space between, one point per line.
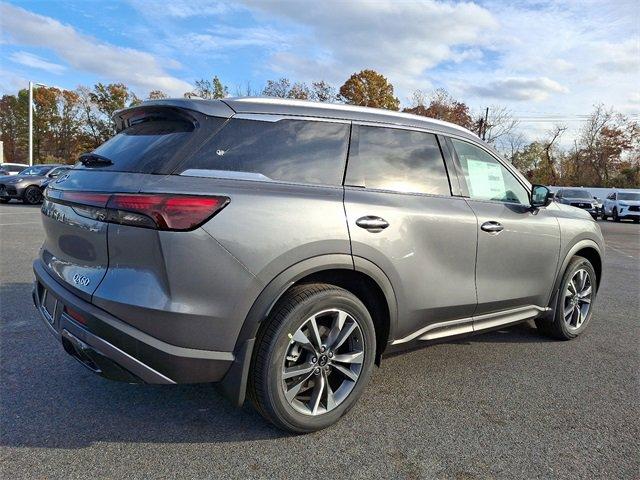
155 145
291 151
576 194
629 196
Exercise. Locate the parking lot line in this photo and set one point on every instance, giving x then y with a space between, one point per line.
18 223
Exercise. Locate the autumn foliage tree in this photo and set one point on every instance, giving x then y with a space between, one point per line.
368 88
441 106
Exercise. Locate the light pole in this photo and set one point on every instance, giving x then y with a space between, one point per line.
31 84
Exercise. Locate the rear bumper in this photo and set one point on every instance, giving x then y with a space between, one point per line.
113 349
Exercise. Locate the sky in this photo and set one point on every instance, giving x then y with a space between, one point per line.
546 61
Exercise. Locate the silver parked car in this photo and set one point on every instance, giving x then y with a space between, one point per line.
282 247
29 184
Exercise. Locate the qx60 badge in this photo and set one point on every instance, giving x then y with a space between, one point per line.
81 280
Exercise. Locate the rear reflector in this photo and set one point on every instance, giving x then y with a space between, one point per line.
146 210
77 316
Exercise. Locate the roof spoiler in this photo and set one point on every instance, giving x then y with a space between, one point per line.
214 108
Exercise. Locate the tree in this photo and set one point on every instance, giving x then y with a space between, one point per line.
500 124
442 106
282 88
321 91
368 88
156 95
98 106
13 126
608 144
547 169
209 89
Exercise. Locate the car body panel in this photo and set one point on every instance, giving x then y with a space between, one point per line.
428 252
515 266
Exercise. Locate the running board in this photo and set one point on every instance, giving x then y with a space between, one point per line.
473 324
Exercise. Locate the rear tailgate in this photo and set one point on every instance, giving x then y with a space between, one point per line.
75 248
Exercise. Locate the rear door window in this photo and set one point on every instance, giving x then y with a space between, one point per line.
397 160
291 151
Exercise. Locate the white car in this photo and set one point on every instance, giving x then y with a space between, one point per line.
13 168
621 205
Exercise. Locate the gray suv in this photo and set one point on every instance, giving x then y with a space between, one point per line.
280 248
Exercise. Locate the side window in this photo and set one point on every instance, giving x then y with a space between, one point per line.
488 179
398 160
294 151
56 172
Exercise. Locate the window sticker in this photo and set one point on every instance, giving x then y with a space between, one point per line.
486 180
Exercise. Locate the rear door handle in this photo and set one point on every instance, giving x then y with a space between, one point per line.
372 223
492 227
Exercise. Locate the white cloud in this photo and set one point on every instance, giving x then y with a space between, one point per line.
400 39
34 61
85 53
518 89
180 9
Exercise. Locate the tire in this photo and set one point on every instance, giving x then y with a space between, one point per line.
32 195
276 347
4 200
561 328
616 218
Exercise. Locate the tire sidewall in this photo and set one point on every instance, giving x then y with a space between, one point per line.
26 198
316 303
575 265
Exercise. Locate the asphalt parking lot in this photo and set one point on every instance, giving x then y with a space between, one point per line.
508 404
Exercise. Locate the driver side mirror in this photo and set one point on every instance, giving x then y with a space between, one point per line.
540 196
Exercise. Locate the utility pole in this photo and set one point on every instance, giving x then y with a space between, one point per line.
484 124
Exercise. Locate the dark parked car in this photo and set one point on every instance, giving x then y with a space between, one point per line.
579 198
29 184
281 247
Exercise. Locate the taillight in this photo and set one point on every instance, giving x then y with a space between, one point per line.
146 210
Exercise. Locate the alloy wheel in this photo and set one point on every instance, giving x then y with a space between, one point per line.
577 299
33 195
323 362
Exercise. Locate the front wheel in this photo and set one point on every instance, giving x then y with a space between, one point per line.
313 358
616 218
574 304
32 195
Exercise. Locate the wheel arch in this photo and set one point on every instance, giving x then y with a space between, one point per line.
359 276
586 248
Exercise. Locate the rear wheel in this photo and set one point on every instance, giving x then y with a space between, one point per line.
313 358
574 302
32 195
4 200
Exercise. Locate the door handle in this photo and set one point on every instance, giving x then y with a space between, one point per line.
492 227
372 223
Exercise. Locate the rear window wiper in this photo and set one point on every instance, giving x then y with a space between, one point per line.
94 160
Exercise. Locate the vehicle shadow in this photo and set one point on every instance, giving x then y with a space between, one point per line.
49 400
